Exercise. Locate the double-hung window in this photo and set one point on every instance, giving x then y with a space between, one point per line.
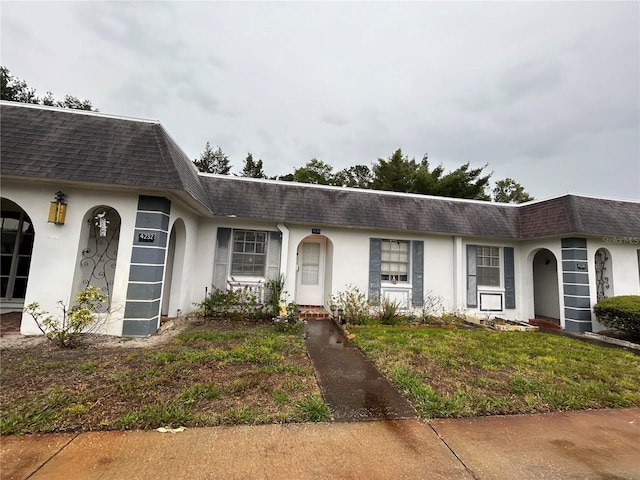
395 261
249 253
488 266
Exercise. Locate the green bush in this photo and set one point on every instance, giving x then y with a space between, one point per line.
234 304
620 313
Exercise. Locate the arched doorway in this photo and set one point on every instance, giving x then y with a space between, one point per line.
313 277
99 252
172 290
17 235
604 274
546 297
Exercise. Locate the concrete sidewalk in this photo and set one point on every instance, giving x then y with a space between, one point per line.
601 444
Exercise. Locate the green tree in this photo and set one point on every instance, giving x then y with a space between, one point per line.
395 174
213 161
358 176
252 168
315 171
510 191
16 90
400 174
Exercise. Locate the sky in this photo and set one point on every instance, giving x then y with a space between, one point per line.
546 93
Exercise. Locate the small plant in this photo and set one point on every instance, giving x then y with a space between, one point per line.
620 313
75 320
314 409
388 313
288 321
274 291
428 313
354 305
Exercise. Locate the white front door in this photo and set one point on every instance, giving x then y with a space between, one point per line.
311 264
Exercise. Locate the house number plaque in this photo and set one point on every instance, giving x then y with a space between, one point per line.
315 231
146 237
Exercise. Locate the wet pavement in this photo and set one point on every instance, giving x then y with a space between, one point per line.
600 444
352 387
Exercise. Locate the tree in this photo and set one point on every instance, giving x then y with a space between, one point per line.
358 176
213 161
16 90
394 174
401 174
510 191
252 169
315 171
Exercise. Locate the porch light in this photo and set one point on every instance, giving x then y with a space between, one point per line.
58 209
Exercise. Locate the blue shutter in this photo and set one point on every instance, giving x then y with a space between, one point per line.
221 264
472 281
375 267
417 274
509 279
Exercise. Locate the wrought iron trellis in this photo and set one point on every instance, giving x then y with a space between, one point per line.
602 279
99 258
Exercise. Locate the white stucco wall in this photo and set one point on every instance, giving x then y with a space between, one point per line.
55 248
624 277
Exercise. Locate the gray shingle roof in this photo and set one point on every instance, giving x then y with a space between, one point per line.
85 147
69 145
291 202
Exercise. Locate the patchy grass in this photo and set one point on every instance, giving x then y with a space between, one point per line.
454 373
211 374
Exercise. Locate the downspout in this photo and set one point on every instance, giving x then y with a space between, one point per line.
459 292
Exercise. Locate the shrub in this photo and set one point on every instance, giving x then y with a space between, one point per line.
235 304
620 313
354 305
388 312
75 320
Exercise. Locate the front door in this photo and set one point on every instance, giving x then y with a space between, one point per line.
311 265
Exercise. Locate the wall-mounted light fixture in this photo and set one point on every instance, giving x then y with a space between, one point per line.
58 209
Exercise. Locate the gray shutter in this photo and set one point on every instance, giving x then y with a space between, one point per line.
509 279
639 261
273 255
375 266
472 285
417 273
221 264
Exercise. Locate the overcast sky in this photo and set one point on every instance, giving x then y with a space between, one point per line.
546 93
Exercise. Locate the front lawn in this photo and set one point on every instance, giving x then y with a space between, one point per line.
454 373
215 373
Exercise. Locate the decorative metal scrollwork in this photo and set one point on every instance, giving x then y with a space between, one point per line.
98 261
602 281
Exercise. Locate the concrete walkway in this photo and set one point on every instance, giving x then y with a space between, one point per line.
601 444
352 387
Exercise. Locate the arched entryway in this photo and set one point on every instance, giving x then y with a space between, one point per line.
17 236
172 289
313 270
604 274
546 296
98 254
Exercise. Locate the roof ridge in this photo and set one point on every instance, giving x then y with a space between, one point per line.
76 111
366 191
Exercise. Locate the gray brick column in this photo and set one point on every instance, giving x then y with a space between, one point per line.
142 309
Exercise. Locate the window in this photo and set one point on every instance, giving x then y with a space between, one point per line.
15 253
395 261
249 253
488 264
